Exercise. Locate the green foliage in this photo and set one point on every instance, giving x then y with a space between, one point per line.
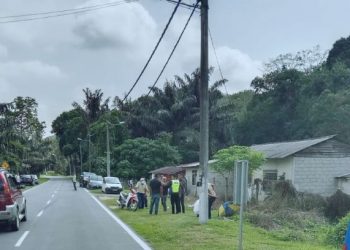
340 52
143 155
338 205
226 158
336 235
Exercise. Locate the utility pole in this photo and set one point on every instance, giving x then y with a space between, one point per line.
89 152
81 156
204 113
108 153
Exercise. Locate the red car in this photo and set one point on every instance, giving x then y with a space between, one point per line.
12 202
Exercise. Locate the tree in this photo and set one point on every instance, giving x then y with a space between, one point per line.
143 155
339 53
226 158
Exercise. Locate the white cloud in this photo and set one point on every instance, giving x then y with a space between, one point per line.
3 51
238 68
124 27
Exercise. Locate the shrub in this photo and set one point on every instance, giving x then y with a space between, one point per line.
307 202
337 233
338 205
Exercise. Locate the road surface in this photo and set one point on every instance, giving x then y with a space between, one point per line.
60 218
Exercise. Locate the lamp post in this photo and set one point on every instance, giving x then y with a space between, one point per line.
81 155
108 150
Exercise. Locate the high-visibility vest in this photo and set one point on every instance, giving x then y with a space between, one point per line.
175 186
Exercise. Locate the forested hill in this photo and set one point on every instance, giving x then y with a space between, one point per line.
301 96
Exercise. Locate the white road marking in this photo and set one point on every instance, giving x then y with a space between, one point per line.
40 213
122 224
48 202
20 241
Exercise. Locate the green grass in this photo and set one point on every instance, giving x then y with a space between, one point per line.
183 231
43 180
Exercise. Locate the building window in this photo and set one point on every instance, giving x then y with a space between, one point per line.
269 177
194 177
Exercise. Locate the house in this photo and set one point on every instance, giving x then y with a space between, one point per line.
193 172
320 165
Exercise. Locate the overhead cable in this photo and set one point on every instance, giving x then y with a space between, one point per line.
154 50
58 13
217 60
172 52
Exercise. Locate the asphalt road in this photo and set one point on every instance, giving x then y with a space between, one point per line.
60 218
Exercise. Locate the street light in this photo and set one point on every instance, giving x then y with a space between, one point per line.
81 156
108 150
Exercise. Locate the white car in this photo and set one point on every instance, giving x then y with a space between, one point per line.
111 185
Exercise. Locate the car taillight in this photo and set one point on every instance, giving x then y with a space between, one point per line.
7 194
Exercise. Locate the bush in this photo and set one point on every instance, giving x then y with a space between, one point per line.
307 202
337 233
338 205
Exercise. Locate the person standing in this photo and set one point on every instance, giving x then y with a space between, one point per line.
141 189
183 191
174 195
74 180
211 198
164 193
155 185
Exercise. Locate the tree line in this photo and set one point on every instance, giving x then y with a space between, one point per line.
299 96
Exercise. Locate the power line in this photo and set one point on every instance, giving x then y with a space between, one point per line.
172 52
154 50
59 13
186 5
217 60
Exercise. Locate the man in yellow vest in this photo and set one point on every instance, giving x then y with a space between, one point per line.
174 194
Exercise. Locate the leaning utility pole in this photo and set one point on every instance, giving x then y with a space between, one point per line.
204 113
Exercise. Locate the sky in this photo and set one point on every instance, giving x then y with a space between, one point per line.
53 60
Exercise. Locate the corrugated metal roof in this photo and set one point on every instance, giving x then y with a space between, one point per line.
194 164
167 170
344 176
283 149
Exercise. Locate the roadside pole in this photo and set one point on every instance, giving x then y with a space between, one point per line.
204 113
108 153
240 194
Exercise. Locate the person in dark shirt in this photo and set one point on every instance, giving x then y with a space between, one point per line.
164 193
155 185
183 191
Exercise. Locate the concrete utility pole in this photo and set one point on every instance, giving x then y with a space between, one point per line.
204 113
89 152
108 153
81 156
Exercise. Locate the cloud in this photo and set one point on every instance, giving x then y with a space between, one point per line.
124 26
3 51
237 67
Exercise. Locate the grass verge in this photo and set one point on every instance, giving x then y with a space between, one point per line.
183 231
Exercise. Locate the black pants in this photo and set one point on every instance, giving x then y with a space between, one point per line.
175 202
182 202
211 200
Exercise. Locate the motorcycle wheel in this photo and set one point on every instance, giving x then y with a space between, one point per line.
133 205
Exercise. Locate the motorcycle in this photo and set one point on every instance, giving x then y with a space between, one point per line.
128 200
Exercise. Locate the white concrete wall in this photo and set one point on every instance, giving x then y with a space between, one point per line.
281 165
344 185
213 177
317 175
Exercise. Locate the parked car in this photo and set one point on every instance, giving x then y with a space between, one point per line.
111 185
35 179
95 181
12 202
27 179
84 178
